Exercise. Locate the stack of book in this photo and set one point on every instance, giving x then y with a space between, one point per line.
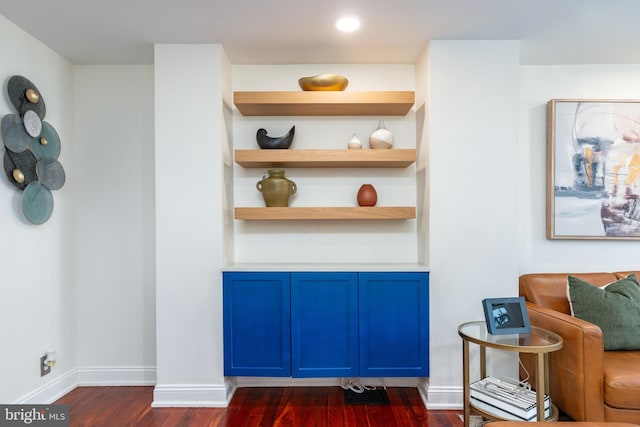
506 397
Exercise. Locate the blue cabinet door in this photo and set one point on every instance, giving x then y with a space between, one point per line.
394 324
324 324
256 316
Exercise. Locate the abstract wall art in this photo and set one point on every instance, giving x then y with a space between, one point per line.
31 150
593 169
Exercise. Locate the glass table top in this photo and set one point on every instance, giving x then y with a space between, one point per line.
538 341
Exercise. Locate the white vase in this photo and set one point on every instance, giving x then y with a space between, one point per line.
354 143
381 137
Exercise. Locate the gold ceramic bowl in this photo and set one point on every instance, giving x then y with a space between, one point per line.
323 82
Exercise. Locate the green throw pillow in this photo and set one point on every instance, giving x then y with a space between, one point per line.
614 308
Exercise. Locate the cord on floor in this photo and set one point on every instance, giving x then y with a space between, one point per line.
356 385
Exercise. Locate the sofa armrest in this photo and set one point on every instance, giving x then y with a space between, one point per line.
576 374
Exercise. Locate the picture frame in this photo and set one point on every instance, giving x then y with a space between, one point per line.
593 169
506 316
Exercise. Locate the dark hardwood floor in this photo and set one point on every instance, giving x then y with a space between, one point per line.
253 407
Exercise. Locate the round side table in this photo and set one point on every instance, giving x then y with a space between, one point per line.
539 342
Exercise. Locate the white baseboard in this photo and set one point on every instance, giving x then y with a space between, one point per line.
191 395
51 391
90 376
116 375
216 395
197 395
441 398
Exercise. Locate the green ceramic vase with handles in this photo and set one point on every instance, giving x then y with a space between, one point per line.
276 189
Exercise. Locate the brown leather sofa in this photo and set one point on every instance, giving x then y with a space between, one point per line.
587 383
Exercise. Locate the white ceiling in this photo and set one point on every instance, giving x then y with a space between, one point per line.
301 31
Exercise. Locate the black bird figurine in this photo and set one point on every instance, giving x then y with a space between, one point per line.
283 141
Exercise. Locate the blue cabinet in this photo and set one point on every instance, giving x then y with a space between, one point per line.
326 324
394 324
257 324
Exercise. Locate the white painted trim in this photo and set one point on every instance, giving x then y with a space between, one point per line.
321 382
90 376
51 391
423 391
442 398
198 395
116 375
192 395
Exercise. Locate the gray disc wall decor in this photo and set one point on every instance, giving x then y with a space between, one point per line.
20 168
32 123
14 134
37 203
32 147
50 173
47 144
25 96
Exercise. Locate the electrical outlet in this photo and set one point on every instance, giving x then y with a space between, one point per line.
44 369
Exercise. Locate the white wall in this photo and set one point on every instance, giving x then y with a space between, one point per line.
191 125
473 168
422 162
114 223
327 242
484 105
539 84
36 289
82 283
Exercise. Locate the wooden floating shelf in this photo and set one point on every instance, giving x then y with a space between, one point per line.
324 213
324 103
392 158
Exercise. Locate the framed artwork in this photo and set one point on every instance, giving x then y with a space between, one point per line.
506 316
593 169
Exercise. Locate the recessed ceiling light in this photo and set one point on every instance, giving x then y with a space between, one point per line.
348 24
